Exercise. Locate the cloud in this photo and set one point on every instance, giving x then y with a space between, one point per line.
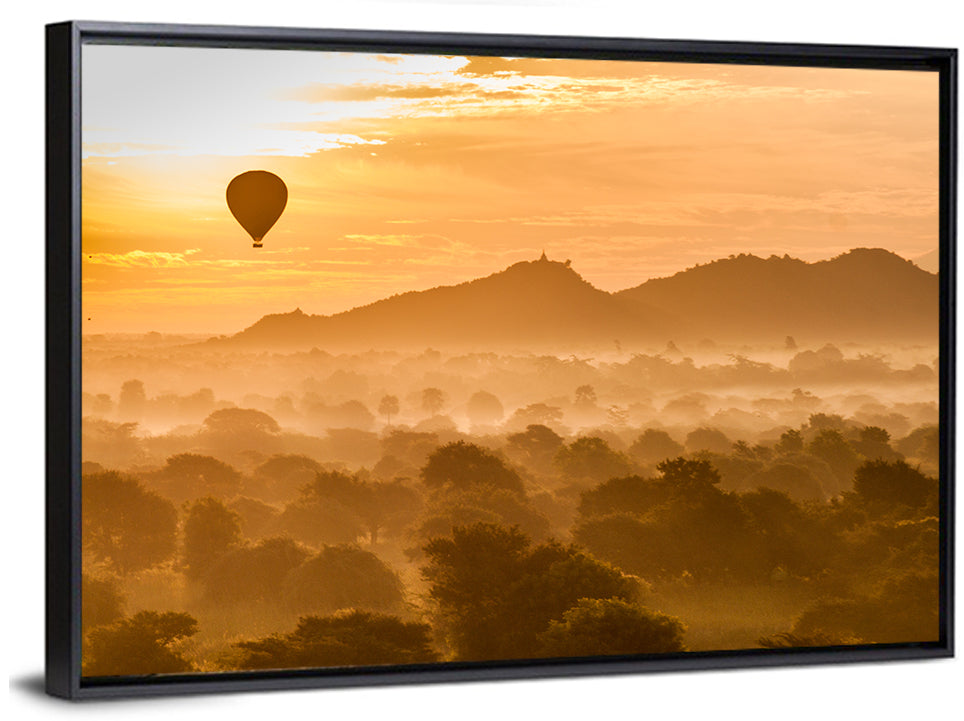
139 259
325 92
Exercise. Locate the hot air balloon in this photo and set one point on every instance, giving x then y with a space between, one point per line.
256 199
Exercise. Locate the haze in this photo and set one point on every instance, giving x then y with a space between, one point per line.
409 172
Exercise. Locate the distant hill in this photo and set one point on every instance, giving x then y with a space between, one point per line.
865 294
534 305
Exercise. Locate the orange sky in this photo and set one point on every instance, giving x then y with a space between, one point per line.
407 172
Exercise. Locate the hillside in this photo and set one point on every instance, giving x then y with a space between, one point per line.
863 295
539 304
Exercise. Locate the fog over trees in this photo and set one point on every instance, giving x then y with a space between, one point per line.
253 509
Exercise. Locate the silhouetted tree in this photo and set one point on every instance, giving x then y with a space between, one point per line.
343 577
210 531
874 444
125 525
796 481
281 477
830 446
625 494
483 408
240 420
145 643
534 414
707 439
494 594
111 444
894 484
432 400
585 396
463 465
905 610
535 447
254 572
352 638
602 627
132 400
188 476
232 430
923 444
686 474
318 521
376 504
256 516
791 441
654 446
103 601
450 507
591 458
408 447
388 407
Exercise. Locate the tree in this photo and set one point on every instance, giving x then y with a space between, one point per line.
432 400
923 444
791 441
388 407
256 516
210 531
535 414
894 484
591 458
341 577
655 445
132 400
377 505
831 447
352 638
124 525
685 473
708 439
103 602
189 476
451 507
904 610
535 447
624 494
796 481
874 444
145 643
234 421
585 396
254 572
409 447
494 594
483 408
281 477
233 430
462 465
611 626
320 520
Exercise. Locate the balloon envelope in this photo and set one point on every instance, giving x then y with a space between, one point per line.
256 199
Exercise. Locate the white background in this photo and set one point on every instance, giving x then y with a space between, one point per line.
918 690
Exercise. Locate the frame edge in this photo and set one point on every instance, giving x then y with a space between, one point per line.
62 625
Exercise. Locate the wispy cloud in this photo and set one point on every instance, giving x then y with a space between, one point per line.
139 259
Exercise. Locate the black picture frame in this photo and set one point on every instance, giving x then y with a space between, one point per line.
63 341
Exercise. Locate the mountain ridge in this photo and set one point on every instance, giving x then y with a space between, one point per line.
863 294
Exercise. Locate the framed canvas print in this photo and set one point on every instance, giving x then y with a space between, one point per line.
380 357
